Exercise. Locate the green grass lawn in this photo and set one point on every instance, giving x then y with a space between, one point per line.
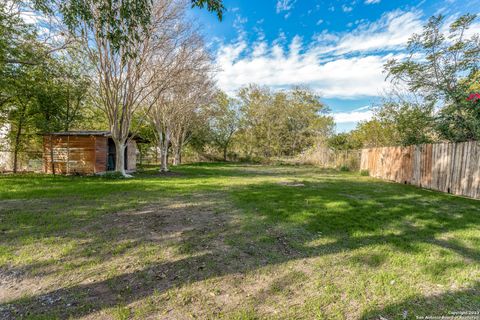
236 242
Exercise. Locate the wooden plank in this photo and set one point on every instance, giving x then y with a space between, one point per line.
465 173
448 157
428 166
435 166
475 165
456 169
448 152
101 150
416 165
476 175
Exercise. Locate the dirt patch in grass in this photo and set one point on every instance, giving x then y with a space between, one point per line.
291 184
161 174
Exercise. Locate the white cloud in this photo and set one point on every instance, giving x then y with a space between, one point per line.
239 25
344 66
392 31
279 68
285 5
372 1
346 8
360 114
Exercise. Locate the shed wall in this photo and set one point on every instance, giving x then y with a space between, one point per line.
101 150
71 154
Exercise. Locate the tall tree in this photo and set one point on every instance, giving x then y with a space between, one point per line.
185 84
190 100
224 121
412 123
18 48
281 123
436 69
374 133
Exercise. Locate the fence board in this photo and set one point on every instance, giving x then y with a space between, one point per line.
447 167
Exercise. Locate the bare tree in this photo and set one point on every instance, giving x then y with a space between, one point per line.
190 101
160 116
172 110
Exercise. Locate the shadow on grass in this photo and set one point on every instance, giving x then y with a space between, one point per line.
274 224
420 307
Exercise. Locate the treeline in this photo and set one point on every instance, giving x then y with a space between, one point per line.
437 91
260 123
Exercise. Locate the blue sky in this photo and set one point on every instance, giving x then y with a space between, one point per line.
335 47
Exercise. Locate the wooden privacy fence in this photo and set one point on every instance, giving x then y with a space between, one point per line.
448 167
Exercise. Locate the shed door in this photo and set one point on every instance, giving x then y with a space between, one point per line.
111 159
111 155
125 159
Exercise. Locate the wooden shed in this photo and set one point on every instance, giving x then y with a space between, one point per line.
84 152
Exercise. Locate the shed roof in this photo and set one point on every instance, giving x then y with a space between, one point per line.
92 133
79 133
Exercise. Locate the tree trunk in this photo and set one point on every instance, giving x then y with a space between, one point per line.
68 111
177 159
164 160
15 150
164 152
120 157
17 141
225 152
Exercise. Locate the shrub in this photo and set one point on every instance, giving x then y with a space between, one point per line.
113 175
364 173
344 169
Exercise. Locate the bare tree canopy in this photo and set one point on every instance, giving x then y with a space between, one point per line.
175 109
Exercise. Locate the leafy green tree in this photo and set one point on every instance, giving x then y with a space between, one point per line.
394 123
255 128
20 111
62 92
411 123
344 141
215 6
224 122
437 68
21 56
306 121
18 48
374 133
47 95
280 123
121 23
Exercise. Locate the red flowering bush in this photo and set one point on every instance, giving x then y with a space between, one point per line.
474 97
